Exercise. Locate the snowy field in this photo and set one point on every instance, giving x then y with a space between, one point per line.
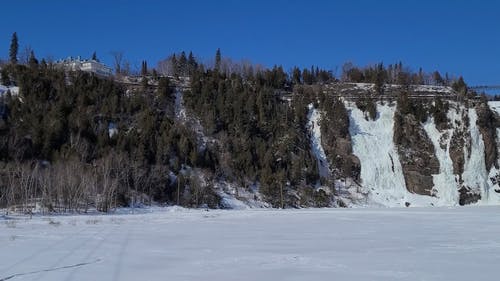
311 244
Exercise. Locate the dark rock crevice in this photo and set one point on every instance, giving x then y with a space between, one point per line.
416 153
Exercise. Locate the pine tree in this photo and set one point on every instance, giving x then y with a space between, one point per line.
94 56
438 80
14 46
307 77
144 68
183 63
460 86
380 79
420 76
296 75
33 62
193 65
175 68
218 59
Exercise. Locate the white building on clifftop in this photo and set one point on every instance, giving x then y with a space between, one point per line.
92 66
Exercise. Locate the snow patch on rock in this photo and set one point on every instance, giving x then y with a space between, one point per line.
13 90
190 121
239 198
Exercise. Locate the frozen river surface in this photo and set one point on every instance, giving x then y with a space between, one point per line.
311 244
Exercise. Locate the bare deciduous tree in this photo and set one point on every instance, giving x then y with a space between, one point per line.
24 56
118 59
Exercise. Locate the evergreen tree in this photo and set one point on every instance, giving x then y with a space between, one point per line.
14 46
380 79
355 75
460 86
438 80
307 77
33 62
193 65
420 76
183 63
144 68
296 75
175 66
94 56
218 59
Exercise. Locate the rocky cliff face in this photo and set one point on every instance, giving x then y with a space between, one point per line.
487 122
416 153
408 158
459 139
450 162
336 141
460 152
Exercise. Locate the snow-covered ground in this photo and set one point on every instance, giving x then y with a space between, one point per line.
320 244
495 106
13 90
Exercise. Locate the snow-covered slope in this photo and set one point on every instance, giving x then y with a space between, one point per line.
323 244
190 121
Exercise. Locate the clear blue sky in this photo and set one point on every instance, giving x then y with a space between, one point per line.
459 37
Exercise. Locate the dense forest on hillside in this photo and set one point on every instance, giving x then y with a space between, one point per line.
72 141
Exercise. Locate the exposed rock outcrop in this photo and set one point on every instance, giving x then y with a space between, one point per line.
487 122
458 140
416 153
468 196
460 148
336 140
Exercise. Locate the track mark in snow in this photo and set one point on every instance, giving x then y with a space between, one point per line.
50 269
57 243
72 252
121 255
92 251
